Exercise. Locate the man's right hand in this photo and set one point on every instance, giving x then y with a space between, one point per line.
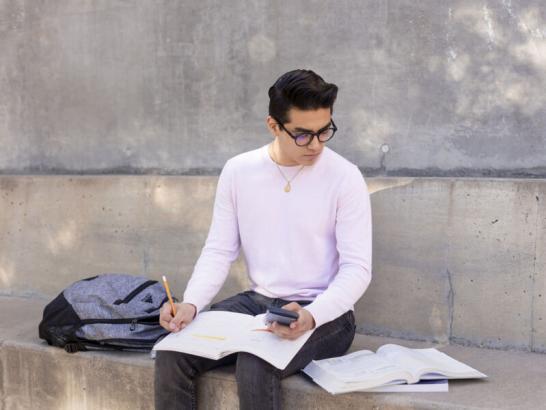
185 312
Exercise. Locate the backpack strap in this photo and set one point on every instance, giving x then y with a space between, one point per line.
73 347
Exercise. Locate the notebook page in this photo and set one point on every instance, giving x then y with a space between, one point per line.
210 334
270 347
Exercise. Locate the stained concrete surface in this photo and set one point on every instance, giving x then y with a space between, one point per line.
452 88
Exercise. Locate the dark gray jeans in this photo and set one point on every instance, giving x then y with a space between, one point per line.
258 382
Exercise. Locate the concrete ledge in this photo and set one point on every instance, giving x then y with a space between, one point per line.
447 251
35 375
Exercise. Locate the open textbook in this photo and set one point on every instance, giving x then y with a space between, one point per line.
216 334
391 365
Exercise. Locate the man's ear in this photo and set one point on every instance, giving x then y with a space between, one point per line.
272 126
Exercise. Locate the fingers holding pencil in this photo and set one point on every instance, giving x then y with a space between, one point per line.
175 316
184 315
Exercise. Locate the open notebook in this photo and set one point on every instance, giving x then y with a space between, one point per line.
216 334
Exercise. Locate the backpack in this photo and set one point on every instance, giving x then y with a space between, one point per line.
108 311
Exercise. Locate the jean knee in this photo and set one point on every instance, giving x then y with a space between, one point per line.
250 368
172 364
165 359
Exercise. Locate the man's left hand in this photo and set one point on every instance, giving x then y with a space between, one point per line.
304 323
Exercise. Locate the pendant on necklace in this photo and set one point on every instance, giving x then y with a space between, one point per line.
287 187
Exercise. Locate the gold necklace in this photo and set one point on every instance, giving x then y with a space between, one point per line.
287 187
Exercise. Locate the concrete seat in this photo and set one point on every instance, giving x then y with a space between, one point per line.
37 376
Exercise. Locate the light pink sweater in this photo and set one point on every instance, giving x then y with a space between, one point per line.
313 243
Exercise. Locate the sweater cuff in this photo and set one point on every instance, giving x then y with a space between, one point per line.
317 312
198 307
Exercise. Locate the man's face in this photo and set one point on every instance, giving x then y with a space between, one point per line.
301 121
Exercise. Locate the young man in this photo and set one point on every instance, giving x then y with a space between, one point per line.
302 215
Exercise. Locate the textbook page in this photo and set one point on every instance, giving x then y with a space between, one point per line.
215 334
335 386
358 370
427 364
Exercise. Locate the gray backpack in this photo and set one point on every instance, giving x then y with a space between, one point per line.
109 311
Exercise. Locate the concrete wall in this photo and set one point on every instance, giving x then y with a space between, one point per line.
429 88
454 88
460 260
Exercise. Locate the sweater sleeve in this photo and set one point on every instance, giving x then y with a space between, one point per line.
221 247
353 234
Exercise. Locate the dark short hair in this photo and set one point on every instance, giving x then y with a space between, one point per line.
303 89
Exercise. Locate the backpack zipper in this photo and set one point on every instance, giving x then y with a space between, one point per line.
135 292
143 320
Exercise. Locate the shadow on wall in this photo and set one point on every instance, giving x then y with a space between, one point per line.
506 81
472 98
54 231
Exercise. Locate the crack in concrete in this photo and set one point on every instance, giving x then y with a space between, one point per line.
26 294
430 172
450 305
533 279
381 171
451 291
145 261
382 166
122 170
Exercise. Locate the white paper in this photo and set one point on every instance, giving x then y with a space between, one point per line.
215 334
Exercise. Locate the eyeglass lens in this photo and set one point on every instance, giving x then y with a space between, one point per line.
304 139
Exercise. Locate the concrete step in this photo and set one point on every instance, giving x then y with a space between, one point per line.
37 376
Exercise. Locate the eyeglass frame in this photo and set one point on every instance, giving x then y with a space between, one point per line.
313 134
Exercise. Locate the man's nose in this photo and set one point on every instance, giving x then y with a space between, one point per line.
315 143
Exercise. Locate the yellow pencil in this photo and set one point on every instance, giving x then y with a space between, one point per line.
173 308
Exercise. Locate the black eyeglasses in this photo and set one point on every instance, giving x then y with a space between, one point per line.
305 138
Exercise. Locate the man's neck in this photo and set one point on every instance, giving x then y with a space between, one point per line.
276 155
